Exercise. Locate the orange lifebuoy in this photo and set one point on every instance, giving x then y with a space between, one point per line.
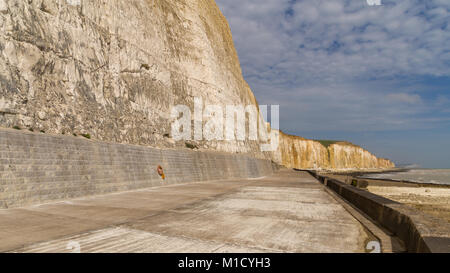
160 172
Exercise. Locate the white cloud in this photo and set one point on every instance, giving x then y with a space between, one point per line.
342 63
404 98
342 36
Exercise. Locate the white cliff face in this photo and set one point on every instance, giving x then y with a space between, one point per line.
347 156
297 152
114 69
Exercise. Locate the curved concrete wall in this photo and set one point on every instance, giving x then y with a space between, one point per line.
418 231
36 168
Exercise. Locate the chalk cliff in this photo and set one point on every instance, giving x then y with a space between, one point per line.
114 69
297 152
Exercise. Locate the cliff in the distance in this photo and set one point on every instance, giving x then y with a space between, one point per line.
114 70
297 152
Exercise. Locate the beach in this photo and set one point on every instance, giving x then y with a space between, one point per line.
431 196
430 200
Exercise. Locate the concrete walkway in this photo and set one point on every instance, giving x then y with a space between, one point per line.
287 212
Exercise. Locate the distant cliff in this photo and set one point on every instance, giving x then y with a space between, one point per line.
297 152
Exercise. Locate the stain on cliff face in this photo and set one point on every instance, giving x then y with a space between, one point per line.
7 86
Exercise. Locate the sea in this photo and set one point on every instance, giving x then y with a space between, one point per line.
433 176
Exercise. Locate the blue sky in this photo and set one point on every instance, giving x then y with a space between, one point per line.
378 76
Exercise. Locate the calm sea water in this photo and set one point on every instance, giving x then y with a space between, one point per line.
434 176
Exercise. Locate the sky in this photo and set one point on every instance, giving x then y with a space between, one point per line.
375 75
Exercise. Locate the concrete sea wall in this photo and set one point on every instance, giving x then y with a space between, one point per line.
419 232
37 168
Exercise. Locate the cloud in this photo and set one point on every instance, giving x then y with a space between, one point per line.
344 64
404 98
339 39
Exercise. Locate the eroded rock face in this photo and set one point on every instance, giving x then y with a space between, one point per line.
349 156
297 152
114 69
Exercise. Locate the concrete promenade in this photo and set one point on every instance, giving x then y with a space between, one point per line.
286 212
